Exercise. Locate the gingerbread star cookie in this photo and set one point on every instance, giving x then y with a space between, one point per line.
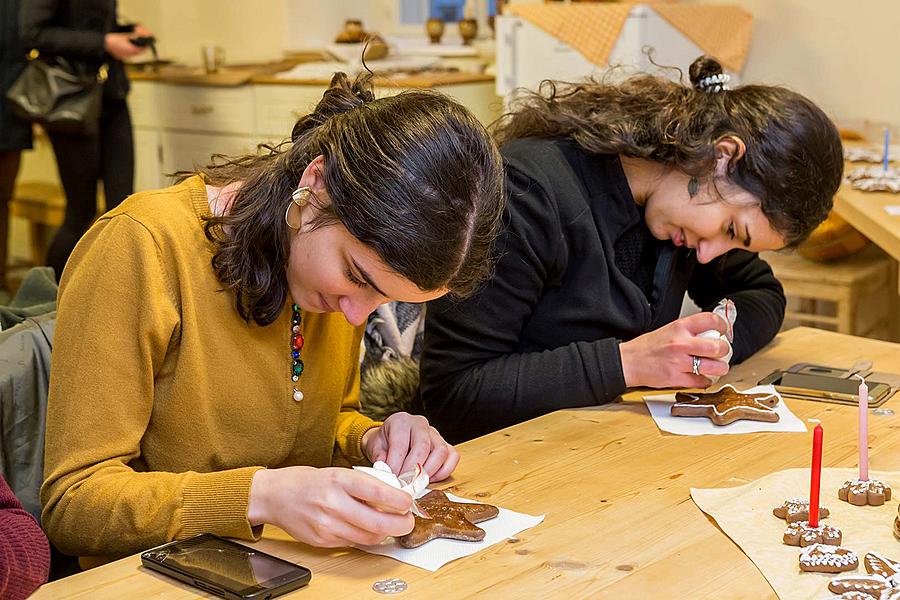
449 519
824 558
796 510
861 493
801 534
726 405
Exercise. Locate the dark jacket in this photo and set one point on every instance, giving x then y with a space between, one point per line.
15 133
579 272
75 29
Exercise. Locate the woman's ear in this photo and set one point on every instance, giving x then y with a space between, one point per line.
314 177
729 150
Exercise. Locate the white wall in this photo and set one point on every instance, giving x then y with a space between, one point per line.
843 55
249 31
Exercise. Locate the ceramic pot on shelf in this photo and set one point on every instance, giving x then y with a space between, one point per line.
435 29
468 29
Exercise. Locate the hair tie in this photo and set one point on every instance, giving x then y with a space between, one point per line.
714 84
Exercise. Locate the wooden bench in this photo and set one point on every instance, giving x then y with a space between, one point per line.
43 206
854 295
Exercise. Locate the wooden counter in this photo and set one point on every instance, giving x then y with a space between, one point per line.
615 490
265 74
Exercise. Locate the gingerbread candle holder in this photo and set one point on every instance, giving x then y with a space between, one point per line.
861 493
802 534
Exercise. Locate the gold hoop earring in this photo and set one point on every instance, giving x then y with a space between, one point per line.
299 197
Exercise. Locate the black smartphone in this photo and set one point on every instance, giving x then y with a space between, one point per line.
225 568
824 388
142 40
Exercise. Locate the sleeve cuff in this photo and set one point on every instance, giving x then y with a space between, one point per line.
353 450
217 503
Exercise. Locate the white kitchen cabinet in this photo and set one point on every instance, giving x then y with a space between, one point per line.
148 169
184 151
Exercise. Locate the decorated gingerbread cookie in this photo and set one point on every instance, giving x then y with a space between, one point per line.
796 510
897 524
870 585
449 519
726 405
878 564
875 179
824 558
801 534
882 581
861 493
856 595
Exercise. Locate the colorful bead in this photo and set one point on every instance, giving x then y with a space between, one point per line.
296 345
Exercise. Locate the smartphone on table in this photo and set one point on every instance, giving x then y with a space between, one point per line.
226 568
810 386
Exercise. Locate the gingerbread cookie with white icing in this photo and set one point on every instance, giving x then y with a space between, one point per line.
824 558
878 564
797 509
726 405
449 519
860 493
801 534
882 582
873 586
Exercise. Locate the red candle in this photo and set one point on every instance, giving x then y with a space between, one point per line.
815 477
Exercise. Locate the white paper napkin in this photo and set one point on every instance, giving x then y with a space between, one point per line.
435 554
660 404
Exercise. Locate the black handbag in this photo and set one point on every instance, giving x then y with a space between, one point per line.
62 96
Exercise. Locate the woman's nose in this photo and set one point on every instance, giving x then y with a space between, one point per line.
357 310
707 250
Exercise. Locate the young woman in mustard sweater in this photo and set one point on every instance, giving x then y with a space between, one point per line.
206 359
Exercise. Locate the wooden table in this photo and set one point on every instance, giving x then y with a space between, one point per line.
866 212
615 490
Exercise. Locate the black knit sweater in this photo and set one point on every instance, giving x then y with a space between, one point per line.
579 272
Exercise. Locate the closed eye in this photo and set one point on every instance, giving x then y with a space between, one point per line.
356 280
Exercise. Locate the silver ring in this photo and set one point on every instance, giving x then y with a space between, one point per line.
695 365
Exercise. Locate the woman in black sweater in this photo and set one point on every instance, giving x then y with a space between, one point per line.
621 198
86 33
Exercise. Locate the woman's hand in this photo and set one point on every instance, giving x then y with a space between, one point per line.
664 357
329 507
406 440
119 46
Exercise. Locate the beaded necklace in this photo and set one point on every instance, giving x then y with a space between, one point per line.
296 346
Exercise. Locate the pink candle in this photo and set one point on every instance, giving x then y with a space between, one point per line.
863 430
815 477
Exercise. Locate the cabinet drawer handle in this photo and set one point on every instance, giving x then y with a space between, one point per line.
201 109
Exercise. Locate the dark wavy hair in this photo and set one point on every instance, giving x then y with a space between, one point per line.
414 176
793 160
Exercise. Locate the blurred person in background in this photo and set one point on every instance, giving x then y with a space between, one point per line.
15 134
86 32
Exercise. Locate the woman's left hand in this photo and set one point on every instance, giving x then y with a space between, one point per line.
405 440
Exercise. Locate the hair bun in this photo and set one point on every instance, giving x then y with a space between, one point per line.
342 96
707 75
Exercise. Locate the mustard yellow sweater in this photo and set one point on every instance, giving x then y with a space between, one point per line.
164 402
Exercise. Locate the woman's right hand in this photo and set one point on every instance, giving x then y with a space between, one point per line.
119 46
664 357
329 507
